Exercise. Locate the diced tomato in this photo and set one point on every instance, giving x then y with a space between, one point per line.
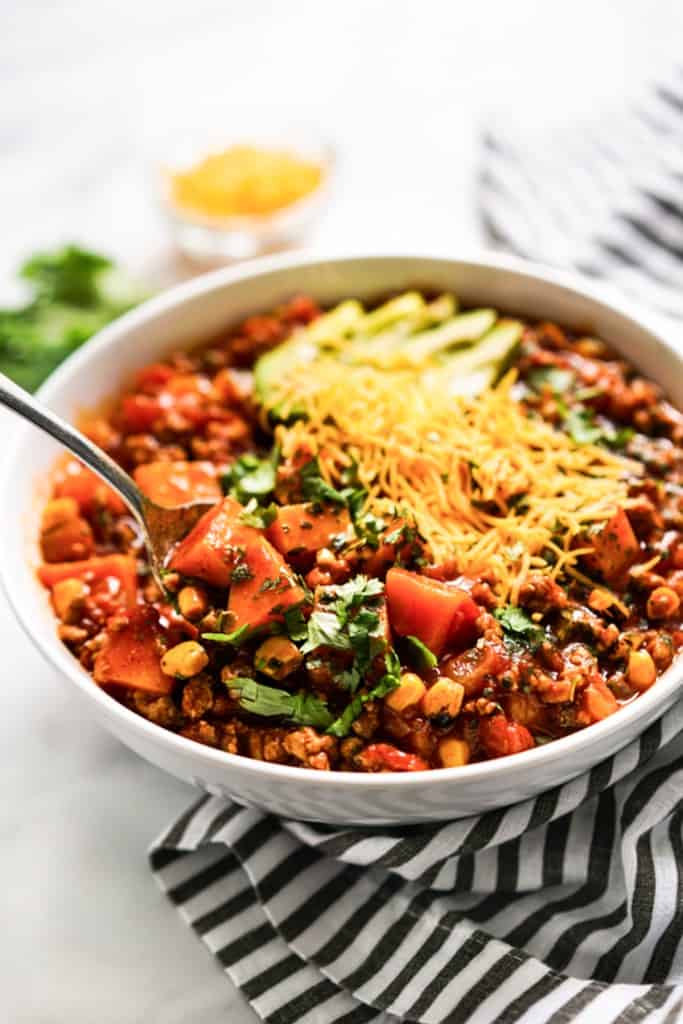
119 567
139 413
389 551
298 530
598 701
500 737
154 377
170 484
384 757
73 480
269 589
615 548
131 655
439 614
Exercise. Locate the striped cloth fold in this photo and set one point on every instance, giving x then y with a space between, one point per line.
566 908
604 196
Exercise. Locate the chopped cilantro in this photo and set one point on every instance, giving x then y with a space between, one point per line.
271 702
581 426
261 518
296 626
317 490
554 378
241 573
348 619
252 478
518 627
419 654
236 638
389 681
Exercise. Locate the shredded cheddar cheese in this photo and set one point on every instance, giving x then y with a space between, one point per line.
243 181
489 486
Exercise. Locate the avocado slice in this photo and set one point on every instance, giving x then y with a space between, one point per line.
470 371
364 349
303 346
460 330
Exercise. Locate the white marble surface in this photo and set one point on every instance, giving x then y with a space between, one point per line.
90 93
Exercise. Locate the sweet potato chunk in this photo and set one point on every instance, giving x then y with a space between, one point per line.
615 548
438 614
261 593
73 480
91 570
131 656
298 530
170 484
211 549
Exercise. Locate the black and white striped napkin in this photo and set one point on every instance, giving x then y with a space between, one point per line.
567 908
604 196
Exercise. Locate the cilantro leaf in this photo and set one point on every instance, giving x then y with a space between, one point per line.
317 490
272 702
74 293
236 638
420 655
518 627
260 518
296 626
581 427
250 478
554 378
389 681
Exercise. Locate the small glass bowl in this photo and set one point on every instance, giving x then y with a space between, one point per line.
214 240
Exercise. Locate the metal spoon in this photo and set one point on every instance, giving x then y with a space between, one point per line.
161 527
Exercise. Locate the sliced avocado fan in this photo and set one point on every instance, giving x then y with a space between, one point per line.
465 352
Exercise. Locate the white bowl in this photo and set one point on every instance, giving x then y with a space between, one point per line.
201 308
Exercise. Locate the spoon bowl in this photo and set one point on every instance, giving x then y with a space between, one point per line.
161 527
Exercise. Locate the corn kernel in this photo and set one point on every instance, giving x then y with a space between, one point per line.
67 598
641 672
409 692
192 603
185 660
445 697
453 753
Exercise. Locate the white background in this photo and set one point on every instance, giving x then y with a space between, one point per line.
91 95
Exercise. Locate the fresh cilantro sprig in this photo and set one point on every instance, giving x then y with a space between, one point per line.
251 479
581 425
317 490
553 378
518 628
389 681
74 293
272 702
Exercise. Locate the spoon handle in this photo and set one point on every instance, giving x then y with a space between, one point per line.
19 401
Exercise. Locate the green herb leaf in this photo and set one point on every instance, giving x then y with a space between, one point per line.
554 378
260 518
75 293
296 626
319 492
271 702
250 478
236 638
420 655
518 627
389 681
581 427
